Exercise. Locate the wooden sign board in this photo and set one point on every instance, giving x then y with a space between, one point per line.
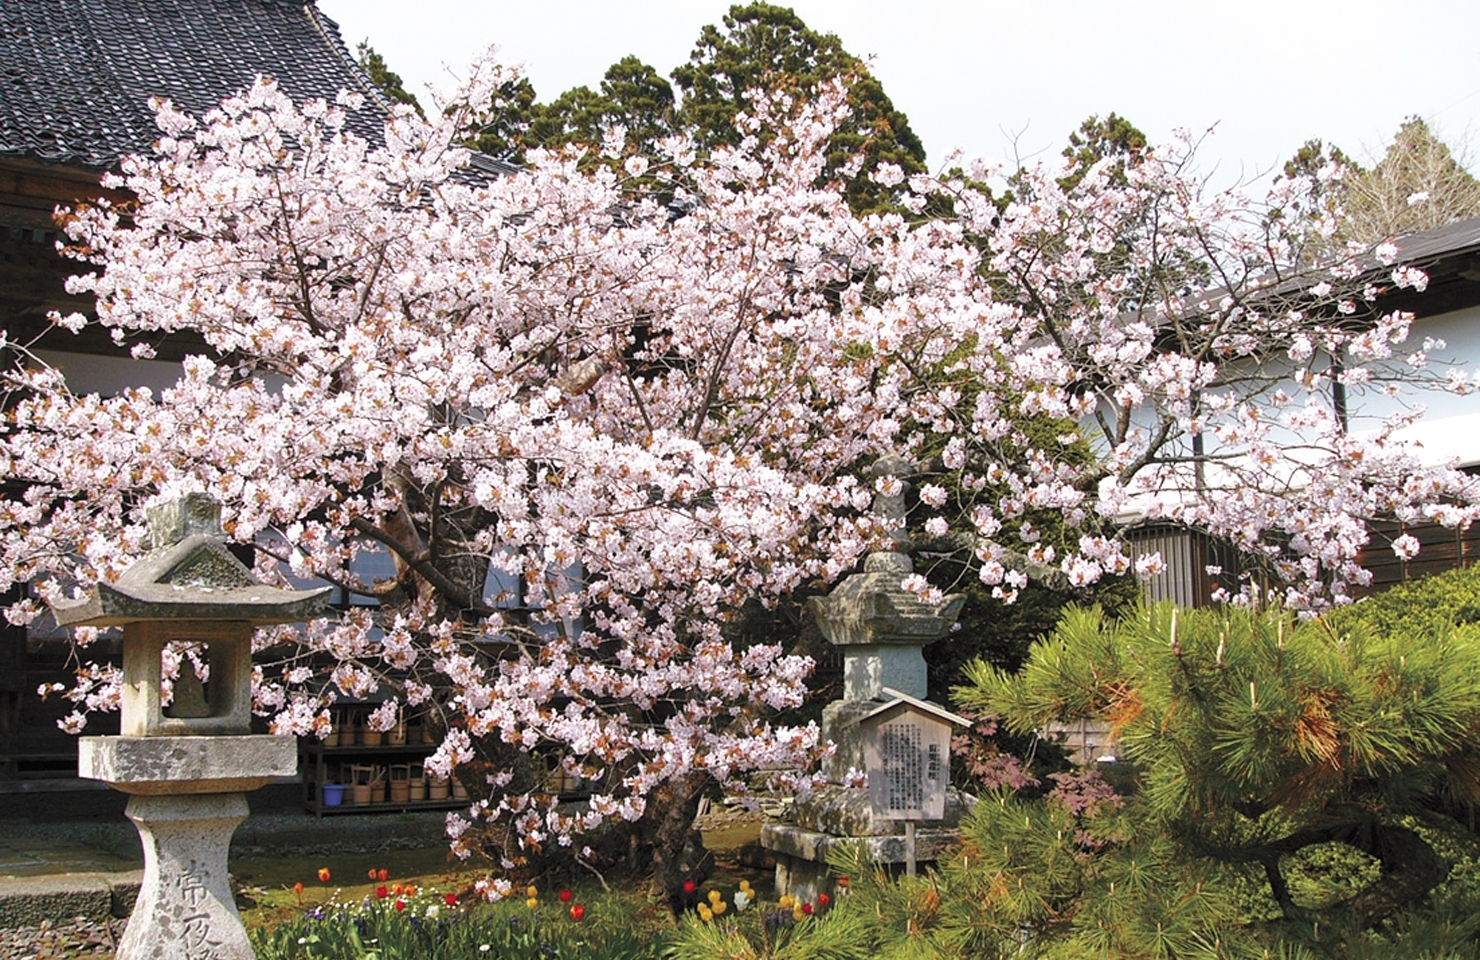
907 750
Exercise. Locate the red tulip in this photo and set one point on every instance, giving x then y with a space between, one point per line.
690 886
450 899
566 896
381 892
823 899
807 909
383 875
400 904
577 912
323 874
298 888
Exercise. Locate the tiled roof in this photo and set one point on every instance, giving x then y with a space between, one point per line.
76 75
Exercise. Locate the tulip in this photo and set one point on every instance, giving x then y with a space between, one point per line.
323 874
381 893
450 899
577 912
566 896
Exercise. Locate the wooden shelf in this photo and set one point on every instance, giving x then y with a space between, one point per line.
409 806
315 758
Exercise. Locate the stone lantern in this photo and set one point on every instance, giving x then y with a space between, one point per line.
187 769
882 629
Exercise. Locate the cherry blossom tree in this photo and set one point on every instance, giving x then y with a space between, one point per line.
648 395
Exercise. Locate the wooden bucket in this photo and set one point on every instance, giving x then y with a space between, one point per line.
360 776
400 782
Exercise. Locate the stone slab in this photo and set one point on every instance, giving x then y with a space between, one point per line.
157 766
801 855
125 890
27 901
849 812
789 840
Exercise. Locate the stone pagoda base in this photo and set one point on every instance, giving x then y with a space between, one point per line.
801 855
836 815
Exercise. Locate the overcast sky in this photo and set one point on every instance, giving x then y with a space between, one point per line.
1269 74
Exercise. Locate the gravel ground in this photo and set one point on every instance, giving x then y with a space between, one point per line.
79 937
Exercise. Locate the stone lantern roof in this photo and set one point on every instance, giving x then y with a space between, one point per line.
189 575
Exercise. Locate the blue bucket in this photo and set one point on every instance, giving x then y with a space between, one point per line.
333 794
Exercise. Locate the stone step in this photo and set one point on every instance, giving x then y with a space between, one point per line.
28 901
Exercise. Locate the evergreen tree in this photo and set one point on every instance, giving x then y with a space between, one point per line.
764 46
633 96
1098 139
641 100
382 76
1257 751
507 135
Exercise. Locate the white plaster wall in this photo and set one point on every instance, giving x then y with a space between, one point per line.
1450 428
110 376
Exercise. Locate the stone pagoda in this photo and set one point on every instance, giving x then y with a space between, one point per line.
882 629
187 768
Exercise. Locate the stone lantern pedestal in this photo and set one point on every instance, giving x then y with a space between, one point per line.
187 769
